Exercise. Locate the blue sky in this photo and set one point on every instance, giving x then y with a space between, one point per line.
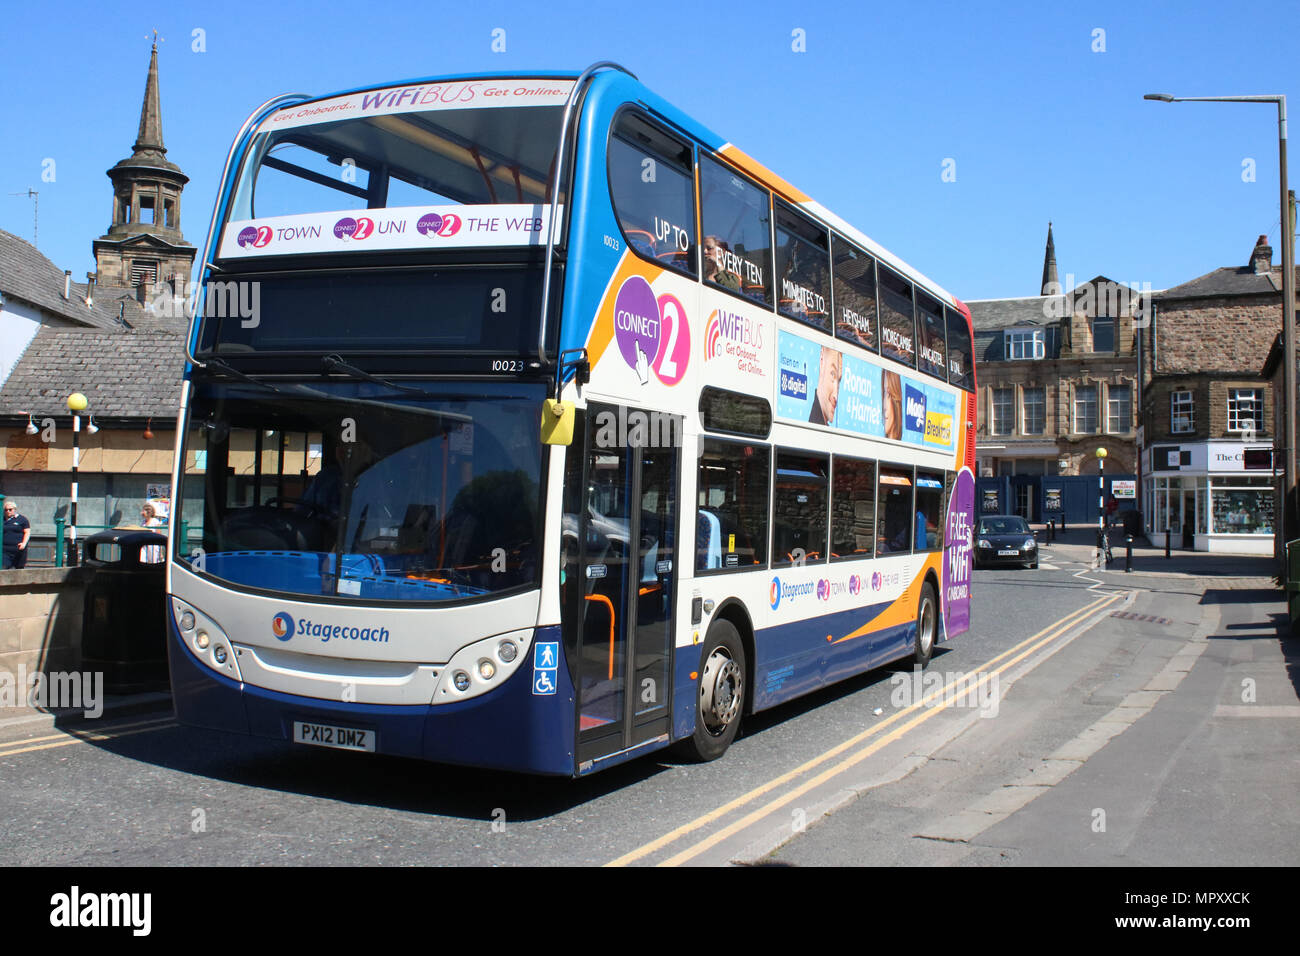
1038 124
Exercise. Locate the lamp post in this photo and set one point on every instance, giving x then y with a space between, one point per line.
1288 523
1101 506
76 404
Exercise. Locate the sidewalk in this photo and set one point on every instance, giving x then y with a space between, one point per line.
1165 736
1220 570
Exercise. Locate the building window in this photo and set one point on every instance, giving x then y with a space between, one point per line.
1035 400
1103 334
1119 408
1004 411
1085 409
1024 344
1182 414
1245 409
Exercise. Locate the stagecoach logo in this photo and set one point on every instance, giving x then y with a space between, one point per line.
282 626
434 224
255 236
349 228
789 591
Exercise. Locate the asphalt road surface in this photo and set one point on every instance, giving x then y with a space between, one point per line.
867 772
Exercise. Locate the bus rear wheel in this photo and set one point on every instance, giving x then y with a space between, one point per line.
721 697
927 624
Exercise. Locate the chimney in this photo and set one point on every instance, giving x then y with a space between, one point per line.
67 283
1261 257
91 278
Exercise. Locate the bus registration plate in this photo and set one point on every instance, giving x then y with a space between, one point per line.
330 735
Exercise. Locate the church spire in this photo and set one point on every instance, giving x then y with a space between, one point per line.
150 135
1051 285
144 243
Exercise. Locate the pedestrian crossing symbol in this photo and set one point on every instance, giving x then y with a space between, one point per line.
546 664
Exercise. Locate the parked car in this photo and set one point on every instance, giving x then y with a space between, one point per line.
1004 539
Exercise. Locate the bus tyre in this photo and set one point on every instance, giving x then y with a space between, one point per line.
927 624
721 695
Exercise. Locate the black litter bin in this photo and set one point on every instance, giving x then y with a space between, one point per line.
1132 523
124 622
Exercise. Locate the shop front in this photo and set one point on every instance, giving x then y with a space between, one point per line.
1210 496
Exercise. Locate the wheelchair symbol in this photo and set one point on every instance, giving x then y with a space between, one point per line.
544 682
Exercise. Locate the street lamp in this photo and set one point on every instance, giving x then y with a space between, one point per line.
1101 506
76 404
1287 524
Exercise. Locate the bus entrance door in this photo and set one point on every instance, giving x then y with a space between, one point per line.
628 570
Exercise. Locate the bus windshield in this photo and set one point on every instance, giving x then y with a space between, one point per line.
352 490
467 163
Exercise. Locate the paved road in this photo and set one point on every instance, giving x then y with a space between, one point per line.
145 791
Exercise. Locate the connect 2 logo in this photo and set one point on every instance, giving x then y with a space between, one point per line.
282 626
875 581
824 589
433 224
652 333
855 583
257 237
349 228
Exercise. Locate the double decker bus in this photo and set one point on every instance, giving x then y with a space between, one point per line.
531 425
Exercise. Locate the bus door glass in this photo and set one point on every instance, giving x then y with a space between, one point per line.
627 578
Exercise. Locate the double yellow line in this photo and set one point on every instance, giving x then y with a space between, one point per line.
927 708
70 737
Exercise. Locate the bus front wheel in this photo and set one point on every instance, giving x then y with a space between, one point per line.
721 696
927 624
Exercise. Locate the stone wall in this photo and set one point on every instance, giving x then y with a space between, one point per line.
1216 334
40 619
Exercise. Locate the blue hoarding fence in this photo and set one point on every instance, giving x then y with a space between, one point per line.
1065 499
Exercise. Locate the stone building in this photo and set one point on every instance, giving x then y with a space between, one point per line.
1207 410
102 338
1057 376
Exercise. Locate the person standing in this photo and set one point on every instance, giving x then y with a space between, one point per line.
17 532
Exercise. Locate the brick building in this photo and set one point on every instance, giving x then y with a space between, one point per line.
1207 410
1058 380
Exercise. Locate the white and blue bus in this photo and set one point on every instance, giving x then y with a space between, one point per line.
529 424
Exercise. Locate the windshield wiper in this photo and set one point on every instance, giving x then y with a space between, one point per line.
335 363
226 369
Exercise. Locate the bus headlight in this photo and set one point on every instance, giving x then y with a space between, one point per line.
204 638
484 665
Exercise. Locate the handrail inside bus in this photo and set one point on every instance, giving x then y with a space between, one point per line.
209 253
555 192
